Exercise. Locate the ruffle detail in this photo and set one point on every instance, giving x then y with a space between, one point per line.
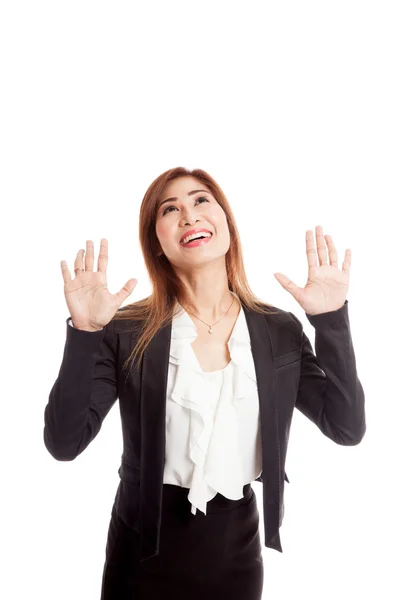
214 430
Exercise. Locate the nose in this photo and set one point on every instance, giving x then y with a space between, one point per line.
188 218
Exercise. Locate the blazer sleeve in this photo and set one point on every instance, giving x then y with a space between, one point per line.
330 393
83 393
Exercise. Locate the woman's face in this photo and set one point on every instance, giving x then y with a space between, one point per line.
191 211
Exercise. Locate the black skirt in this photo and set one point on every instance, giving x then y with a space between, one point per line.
211 556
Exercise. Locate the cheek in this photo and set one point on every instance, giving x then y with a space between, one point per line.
162 231
218 214
219 218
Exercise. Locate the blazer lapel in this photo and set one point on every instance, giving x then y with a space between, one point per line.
153 412
152 451
263 357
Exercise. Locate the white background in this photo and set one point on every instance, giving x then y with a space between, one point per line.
293 107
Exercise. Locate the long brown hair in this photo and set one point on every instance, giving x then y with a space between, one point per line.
157 310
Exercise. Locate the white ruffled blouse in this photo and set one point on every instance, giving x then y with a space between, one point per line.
213 434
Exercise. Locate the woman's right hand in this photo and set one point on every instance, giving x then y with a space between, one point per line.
90 304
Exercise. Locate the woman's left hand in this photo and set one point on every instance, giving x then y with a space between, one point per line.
327 286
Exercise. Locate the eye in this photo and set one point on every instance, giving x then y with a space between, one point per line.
197 199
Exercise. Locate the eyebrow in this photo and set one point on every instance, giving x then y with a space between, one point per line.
175 198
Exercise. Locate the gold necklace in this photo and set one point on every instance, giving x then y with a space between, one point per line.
211 326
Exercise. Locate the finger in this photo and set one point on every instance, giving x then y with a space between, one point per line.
288 284
65 271
333 258
321 248
125 291
102 261
310 249
78 264
89 257
347 261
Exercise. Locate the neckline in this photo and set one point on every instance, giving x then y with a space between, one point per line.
194 324
229 341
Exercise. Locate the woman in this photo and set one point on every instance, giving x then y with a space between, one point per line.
200 368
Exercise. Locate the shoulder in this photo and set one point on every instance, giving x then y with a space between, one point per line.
127 319
278 317
285 329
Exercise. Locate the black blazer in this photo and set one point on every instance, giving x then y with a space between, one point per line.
325 388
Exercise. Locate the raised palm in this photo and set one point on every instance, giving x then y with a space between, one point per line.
90 304
327 286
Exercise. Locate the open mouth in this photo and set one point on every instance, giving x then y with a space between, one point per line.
198 241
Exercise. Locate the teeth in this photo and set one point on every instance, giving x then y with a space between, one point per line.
189 238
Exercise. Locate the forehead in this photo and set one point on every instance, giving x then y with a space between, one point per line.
181 186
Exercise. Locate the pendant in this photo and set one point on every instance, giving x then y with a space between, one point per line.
210 330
